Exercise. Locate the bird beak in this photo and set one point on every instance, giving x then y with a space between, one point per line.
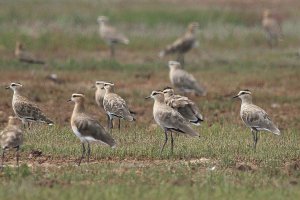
148 97
69 100
235 97
7 87
93 87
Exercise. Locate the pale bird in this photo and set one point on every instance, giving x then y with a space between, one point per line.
254 117
272 28
184 81
24 56
87 128
24 109
110 35
115 106
169 119
183 44
99 95
186 107
11 138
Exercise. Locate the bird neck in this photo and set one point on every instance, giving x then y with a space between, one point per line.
79 107
247 100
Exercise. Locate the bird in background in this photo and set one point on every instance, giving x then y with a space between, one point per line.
185 82
87 128
183 44
186 107
23 56
11 138
24 109
169 119
115 106
111 35
254 117
272 28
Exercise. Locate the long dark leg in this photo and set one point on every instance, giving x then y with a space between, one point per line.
110 125
83 153
2 158
108 121
172 142
17 155
112 51
255 138
166 140
119 125
89 152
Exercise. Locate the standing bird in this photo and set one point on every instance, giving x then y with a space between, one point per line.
11 137
184 81
169 119
24 109
254 117
115 106
99 95
183 44
24 56
86 128
186 107
110 35
272 28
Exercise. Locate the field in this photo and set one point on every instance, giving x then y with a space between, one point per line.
232 55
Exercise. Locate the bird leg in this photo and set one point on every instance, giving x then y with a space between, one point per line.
180 58
166 140
255 138
83 153
2 158
17 155
119 125
112 51
108 122
172 143
89 152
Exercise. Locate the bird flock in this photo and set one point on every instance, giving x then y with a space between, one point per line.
174 113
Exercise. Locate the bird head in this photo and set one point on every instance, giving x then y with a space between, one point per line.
102 19
12 120
14 86
108 86
193 27
77 98
156 95
174 65
168 91
244 95
267 13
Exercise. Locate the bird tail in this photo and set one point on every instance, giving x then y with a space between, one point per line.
32 61
168 50
275 130
198 121
125 41
47 121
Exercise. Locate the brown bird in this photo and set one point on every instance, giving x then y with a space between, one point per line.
110 35
11 137
169 119
115 106
87 128
186 107
272 28
183 44
24 56
24 109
